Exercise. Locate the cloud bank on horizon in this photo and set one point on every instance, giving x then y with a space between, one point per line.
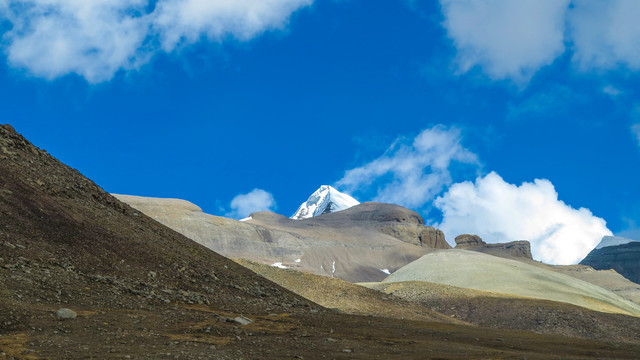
95 39
418 175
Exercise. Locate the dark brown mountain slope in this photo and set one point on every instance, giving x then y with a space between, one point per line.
141 290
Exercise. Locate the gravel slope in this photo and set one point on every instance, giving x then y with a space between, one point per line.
479 271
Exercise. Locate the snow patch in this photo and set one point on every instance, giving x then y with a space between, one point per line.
386 271
325 200
613 241
298 260
246 219
279 265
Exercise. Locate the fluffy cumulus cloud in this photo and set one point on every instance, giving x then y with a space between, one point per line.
606 34
498 212
244 204
507 39
95 39
413 173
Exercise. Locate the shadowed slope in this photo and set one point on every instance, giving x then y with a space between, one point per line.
490 309
624 259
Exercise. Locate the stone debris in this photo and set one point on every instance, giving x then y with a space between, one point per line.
242 320
66 314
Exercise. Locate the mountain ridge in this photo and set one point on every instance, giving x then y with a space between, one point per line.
619 254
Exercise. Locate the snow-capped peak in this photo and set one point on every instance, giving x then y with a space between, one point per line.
613 241
324 201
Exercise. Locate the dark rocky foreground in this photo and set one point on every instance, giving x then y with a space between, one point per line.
625 259
141 290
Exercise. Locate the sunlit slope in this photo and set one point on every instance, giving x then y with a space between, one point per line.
479 271
348 297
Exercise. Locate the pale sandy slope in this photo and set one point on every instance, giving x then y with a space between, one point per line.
607 279
473 270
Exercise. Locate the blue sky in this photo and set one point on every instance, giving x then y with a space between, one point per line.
452 108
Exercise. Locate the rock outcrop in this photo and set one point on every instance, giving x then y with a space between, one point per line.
625 259
397 221
467 241
516 249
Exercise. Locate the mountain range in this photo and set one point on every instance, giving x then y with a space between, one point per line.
86 275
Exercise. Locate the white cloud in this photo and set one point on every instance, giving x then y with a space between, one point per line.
95 39
498 212
188 20
507 39
514 39
91 38
411 174
257 200
635 130
606 34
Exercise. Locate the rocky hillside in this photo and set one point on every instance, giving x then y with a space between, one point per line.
362 243
624 258
495 310
83 275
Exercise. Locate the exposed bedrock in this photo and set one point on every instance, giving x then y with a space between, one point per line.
625 259
520 248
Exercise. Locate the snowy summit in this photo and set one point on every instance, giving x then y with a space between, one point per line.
324 201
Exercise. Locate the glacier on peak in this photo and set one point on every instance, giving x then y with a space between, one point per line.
325 200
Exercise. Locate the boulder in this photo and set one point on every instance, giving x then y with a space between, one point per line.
66 314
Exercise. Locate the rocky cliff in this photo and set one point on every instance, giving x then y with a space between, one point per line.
517 249
625 259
